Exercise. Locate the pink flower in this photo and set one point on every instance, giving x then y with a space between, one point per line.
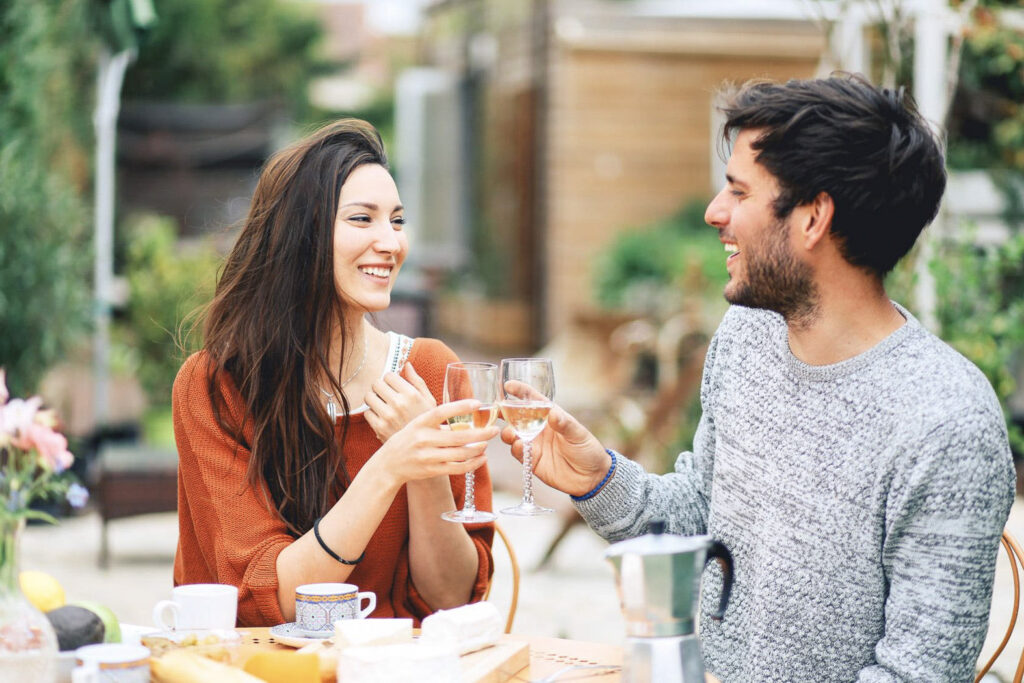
4 394
51 446
15 417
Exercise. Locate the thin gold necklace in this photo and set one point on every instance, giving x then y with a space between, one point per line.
332 404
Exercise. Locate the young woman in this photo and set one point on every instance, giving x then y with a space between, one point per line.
310 447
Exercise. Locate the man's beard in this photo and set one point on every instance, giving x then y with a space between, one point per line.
775 280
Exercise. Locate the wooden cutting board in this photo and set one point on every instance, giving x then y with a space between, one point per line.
496 664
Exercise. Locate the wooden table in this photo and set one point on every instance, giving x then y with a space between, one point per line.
551 655
547 656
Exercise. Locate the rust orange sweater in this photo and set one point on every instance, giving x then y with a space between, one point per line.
227 534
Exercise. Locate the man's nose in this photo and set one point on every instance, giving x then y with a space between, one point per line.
717 215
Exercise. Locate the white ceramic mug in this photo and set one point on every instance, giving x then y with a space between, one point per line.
111 663
198 606
319 605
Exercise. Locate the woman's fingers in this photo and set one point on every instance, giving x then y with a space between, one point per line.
523 391
411 376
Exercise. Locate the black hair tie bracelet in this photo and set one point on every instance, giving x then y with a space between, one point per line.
316 532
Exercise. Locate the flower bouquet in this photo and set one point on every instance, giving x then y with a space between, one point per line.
34 462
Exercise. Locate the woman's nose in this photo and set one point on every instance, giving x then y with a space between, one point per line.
386 238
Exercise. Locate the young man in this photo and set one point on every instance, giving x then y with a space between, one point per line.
857 467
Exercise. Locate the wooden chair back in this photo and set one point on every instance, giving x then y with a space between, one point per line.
1016 554
515 578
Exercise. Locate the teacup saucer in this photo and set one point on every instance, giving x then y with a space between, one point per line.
291 631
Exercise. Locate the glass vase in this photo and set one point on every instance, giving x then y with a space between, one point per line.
28 644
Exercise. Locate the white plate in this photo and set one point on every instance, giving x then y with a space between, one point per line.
291 634
131 634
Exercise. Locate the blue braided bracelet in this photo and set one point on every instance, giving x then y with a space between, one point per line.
593 492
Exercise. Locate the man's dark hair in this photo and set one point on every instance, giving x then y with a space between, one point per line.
867 147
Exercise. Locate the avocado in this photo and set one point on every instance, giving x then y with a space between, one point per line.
76 626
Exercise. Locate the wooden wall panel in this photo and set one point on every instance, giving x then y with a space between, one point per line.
628 144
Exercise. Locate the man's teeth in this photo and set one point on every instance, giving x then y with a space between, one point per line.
731 248
379 272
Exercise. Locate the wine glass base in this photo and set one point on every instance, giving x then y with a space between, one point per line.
469 516
526 510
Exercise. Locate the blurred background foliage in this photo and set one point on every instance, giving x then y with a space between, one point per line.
168 281
46 59
981 311
987 116
677 257
224 51
979 288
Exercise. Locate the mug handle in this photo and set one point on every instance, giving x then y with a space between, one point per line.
161 610
372 597
718 551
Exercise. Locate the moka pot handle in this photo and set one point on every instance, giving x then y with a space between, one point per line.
718 551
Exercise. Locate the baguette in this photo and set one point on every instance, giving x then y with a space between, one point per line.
181 666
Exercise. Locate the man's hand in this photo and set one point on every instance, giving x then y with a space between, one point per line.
565 455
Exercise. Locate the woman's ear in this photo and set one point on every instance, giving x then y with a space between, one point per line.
817 220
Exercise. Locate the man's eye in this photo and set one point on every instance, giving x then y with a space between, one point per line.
736 193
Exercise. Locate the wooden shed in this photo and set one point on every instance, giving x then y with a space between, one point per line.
575 121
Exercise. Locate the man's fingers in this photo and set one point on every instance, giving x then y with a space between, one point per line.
567 426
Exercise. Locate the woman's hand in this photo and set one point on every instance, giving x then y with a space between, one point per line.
423 449
395 399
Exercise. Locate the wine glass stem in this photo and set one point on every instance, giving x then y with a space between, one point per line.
527 474
470 504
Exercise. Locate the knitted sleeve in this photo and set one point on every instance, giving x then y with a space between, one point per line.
229 533
632 497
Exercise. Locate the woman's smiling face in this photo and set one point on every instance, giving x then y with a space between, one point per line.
370 243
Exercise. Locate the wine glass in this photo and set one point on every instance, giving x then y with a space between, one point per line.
527 388
478 381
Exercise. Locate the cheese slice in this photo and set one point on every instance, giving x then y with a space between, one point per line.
365 632
466 628
400 663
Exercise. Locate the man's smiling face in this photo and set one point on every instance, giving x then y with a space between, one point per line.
764 270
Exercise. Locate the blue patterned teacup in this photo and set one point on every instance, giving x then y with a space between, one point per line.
319 605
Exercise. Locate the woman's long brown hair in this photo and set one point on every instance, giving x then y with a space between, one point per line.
276 307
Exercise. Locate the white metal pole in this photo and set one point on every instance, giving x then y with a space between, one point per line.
931 48
110 76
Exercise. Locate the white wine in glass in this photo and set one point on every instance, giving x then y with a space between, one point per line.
527 389
478 381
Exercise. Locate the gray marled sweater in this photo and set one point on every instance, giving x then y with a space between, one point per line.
862 501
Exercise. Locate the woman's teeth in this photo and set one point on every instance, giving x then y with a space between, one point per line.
378 272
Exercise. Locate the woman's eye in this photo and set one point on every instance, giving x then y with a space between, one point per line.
398 222
360 218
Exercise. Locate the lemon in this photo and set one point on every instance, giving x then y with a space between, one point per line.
42 590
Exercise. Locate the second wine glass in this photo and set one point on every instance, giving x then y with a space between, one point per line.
478 381
527 389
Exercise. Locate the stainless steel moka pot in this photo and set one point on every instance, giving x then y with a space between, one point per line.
658 579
